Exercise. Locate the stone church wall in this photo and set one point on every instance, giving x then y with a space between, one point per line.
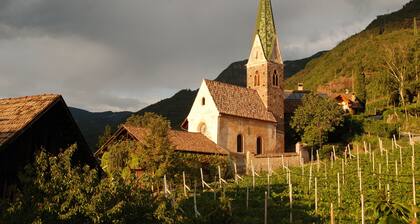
230 127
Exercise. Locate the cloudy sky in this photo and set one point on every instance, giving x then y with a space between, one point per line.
125 54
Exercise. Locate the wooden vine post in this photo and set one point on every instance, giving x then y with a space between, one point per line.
338 189
265 207
316 196
414 184
332 213
291 202
363 208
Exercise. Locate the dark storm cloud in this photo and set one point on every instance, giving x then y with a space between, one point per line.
107 54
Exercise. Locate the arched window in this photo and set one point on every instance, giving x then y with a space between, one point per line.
203 101
275 78
239 143
257 79
259 145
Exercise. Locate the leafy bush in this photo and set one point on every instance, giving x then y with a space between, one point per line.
380 128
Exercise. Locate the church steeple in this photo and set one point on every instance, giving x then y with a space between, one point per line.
265 65
265 31
265 28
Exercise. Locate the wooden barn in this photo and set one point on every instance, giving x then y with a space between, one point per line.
28 124
186 142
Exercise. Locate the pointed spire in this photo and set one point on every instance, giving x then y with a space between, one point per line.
265 27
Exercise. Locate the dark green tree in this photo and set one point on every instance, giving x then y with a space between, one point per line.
105 136
316 118
360 87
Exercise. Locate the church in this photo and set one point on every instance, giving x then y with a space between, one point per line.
248 121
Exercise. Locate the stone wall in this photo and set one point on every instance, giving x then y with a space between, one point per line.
230 127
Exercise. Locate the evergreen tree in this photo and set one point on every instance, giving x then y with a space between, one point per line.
360 87
105 136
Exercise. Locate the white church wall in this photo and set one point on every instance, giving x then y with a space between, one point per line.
205 115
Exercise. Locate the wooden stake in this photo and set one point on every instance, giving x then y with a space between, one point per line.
268 184
414 184
379 179
202 178
364 147
335 156
310 178
388 193
165 186
316 195
317 161
268 166
265 207
373 162
332 213
291 202
338 189
370 153
183 180
386 156
363 208
396 170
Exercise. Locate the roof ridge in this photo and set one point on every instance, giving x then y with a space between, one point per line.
31 96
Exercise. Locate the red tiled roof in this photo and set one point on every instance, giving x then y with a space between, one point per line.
183 141
238 101
17 113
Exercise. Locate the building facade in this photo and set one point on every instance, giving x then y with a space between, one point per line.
247 121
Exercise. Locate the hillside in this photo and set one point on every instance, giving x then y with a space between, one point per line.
332 72
92 124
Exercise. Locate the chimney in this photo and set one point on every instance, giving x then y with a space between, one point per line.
300 86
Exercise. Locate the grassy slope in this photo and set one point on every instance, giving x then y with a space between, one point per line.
363 49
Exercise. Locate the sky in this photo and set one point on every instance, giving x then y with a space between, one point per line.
126 54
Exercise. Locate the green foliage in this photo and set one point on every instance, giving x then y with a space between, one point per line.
54 190
380 128
360 87
389 212
316 118
105 136
117 158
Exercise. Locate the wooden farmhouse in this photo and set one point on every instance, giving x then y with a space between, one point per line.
184 142
29 124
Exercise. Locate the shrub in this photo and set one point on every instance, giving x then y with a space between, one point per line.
380 128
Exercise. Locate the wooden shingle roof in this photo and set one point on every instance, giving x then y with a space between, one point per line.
182 140
18 113
238 101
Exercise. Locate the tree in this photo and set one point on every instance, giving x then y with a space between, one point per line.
360 87
316 118
105 136
155 154
57 190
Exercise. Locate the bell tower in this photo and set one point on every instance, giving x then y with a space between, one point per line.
265 65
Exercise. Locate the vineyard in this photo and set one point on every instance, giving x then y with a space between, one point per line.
354 186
